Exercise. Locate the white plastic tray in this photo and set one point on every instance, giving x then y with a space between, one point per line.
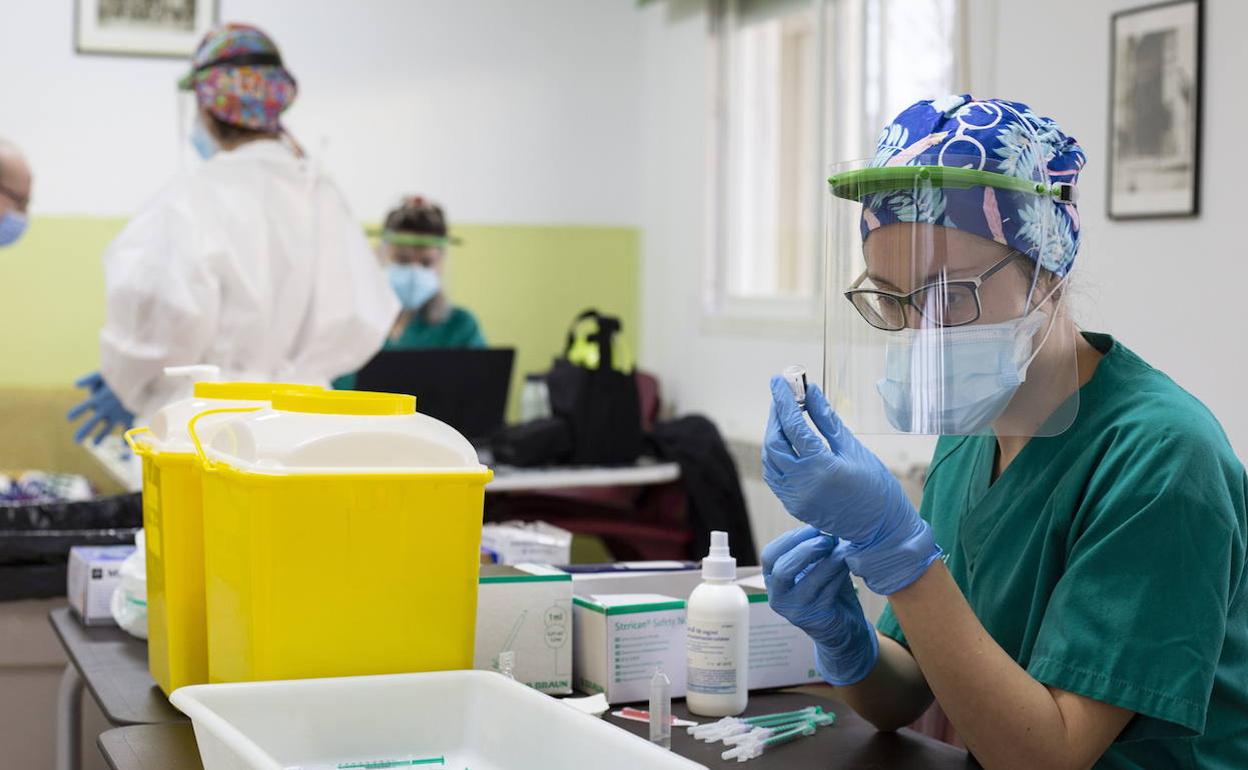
473 720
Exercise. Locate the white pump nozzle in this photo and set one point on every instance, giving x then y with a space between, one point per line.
719 564
197 373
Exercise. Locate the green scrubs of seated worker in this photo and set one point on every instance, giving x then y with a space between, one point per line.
413 246
1072 590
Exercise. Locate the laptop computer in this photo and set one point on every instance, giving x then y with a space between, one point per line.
463 387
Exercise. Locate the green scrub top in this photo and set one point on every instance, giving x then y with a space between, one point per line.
1109 561
458 330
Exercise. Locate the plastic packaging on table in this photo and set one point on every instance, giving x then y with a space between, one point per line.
342 537
129 602
40 487
174 523
466 719
532 542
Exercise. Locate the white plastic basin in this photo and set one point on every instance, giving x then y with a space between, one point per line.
478 720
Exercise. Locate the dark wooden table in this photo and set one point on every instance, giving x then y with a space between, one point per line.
850 744
113 665
151 747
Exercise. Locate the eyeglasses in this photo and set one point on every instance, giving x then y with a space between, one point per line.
944 303
22 201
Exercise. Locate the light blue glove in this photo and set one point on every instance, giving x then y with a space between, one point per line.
840 487
808 585
107 410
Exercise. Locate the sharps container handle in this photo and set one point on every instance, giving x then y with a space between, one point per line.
209 465
129 437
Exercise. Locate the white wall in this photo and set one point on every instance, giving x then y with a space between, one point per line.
1169 289
1129 273
508 112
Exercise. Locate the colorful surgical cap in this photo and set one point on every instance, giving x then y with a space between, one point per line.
989 135
238 75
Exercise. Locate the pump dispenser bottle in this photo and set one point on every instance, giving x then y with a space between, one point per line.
717 637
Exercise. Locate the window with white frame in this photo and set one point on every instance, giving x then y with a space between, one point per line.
799 84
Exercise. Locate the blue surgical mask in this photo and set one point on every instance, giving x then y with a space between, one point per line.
12 225
204 143
414 284
956 381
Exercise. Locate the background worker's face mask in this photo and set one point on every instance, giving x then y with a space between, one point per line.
12 226
202 140
415 285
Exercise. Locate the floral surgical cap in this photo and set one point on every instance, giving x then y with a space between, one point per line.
990 135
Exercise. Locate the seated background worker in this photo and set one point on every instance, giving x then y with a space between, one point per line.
414 240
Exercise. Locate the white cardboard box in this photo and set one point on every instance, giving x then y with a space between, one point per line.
781 654
619 640
94 571
526 609
519 542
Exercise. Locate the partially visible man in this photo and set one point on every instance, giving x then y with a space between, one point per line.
15 182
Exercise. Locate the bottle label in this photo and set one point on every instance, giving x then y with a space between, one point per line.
711 657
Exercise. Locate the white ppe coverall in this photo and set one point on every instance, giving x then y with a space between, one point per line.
251 262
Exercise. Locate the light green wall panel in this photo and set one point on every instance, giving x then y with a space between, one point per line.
53 306
525 284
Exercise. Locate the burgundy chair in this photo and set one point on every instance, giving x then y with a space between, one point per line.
635 523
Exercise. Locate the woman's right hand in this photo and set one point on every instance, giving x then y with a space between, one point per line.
808 584
833 482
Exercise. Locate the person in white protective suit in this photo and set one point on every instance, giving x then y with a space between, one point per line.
250 261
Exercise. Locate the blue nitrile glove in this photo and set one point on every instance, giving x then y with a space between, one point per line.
841 488
107 410
808 585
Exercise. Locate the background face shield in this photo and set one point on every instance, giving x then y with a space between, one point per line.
940 320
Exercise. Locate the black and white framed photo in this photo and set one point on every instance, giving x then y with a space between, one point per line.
1154 112
170 28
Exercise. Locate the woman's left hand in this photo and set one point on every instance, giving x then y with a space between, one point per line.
808 585
834 483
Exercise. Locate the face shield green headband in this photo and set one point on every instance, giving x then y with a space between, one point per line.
396 238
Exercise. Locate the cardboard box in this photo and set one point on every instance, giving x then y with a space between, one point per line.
94 571
526 609
520 542
619 640
781 654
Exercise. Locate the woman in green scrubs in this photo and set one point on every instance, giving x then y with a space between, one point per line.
414 241
1072 591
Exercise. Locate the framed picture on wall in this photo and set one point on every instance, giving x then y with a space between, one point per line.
170 28
1154 111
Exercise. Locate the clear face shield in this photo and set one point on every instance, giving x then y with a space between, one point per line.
941 319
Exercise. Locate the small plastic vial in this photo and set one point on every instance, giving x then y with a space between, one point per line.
795 376
661 709
507 664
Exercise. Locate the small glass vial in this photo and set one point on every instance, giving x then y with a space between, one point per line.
661 709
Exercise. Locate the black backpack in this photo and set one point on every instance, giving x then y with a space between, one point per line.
597 399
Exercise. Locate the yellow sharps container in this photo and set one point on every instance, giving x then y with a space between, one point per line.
173 523
342 537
